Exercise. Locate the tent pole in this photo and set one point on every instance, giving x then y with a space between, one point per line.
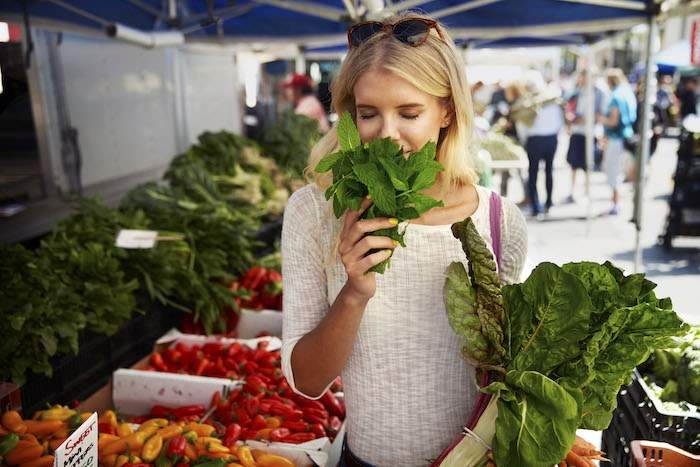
643 155
590 131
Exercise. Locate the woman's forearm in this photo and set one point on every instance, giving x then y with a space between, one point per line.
319 356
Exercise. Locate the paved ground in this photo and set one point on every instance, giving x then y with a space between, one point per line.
566 235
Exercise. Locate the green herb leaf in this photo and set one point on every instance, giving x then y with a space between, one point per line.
348 136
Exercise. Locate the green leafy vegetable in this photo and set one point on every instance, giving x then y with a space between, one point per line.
380 170
571 337
289 141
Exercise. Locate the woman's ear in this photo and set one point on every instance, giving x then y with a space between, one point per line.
447 113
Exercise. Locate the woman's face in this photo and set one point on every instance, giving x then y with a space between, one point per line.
390 106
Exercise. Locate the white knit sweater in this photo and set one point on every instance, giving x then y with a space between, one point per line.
407 389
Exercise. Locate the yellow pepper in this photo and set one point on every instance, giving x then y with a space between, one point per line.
103 440
154 422
152 448
57 412
124 429
134 442
190 436
190 452
121 460
245 456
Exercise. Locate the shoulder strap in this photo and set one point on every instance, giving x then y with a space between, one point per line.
495 213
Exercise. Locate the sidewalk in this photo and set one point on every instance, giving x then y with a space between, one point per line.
567 236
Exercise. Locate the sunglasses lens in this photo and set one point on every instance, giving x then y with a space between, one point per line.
411 32
363 32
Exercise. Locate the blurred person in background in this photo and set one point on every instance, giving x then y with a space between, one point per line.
575 116
299 90
688 97
541 141
619 126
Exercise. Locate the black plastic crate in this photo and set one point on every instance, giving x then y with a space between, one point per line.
75 377
641 416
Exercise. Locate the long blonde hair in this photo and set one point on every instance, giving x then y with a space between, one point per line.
433 67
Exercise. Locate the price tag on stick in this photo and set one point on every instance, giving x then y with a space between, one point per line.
80 448
142 239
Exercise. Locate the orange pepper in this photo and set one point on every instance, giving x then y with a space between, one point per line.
109 417
43 428
272 460
200 428
263 434
124 430
134 441
24 452
108 461
273 422
169 432
121 460
30 438
3 431
12 420
234 464
190 452
43 461
104 439
56 443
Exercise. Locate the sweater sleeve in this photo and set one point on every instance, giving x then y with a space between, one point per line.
514 242
303 273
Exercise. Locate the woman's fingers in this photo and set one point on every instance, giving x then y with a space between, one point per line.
352 216
360 228
369 242
362 266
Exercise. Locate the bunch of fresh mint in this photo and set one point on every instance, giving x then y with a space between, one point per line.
379 169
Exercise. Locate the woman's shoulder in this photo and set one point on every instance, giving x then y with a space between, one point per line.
308 202
511 213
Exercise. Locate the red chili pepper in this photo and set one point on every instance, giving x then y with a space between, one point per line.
295 415
106 428
277 408
333 405
160 411
215 399
233 349
254 385
213 349
140 419
310 404
248 434
233 432
278 434
258 423
201 367
316 413
296 438
157 362
188 411
242 417
176 447
318 429
334 424
251 406
295 426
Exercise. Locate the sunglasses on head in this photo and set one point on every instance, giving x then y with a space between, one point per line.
410 31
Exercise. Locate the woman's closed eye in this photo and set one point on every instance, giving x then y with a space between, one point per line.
406 117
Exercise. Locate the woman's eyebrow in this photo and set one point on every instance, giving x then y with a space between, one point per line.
402 106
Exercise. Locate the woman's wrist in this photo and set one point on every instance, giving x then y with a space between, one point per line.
350 297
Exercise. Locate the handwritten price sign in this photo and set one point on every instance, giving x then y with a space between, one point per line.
80 449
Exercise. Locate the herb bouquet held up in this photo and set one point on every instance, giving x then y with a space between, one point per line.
380 170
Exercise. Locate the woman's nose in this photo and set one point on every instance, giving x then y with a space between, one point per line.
389 129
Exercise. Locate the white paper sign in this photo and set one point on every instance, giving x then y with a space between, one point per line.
136 238
80 449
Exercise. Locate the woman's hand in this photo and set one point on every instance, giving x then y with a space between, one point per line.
354 246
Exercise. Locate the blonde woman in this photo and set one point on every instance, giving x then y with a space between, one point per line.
407 389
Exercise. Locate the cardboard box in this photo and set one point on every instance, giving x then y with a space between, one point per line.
253 322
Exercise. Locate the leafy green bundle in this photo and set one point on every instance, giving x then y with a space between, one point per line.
380 170
289 141
41 317
571 337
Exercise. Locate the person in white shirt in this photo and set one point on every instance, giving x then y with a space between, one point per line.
298 89
407 389
541 145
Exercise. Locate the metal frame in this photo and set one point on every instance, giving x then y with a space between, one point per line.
308 8
461 8
624 4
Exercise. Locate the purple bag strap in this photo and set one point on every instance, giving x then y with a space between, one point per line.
495 220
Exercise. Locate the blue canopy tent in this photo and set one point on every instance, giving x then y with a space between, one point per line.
322 23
